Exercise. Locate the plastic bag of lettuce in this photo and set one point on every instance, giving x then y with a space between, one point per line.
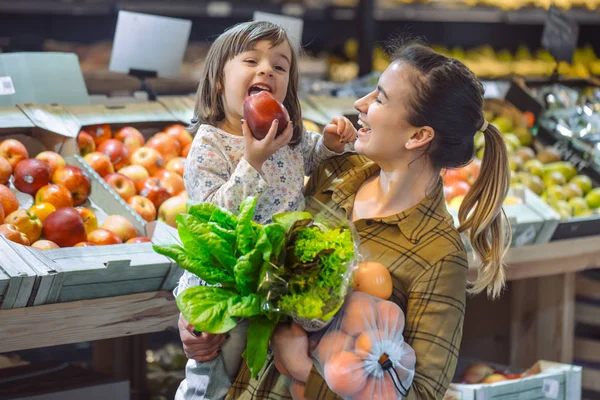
300 266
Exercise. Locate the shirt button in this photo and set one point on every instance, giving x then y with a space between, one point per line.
369 222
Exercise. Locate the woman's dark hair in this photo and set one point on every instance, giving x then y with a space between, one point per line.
448 97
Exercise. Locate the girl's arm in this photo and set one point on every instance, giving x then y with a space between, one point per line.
337 138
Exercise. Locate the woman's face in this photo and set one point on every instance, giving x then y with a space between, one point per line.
383 115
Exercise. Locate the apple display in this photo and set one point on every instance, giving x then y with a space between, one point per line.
65 227
31 175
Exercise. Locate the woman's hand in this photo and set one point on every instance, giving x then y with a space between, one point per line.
337 133
256 152
199 346
290 348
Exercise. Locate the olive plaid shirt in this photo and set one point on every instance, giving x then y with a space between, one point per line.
428 264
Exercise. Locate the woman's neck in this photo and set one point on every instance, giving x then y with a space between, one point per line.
393 190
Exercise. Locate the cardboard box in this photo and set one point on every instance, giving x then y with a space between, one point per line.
550 380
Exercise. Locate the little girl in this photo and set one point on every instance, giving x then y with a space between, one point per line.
226 163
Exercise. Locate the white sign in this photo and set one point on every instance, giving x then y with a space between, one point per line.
6 86
292 26
149 43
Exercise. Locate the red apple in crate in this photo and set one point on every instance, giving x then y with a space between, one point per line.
148 158
99 163
176 165
5 171
171 181
53 159
136 173
31 175
103 237
166 145
186 150
116 152
122 185
100 133
143 207
75 181
14 151
27 223
57 195
45 245
85 143
65 227
85 244
260 110
178 132
90 221
139 239
170 209
12 233
154 191
120 226
130 132
8 199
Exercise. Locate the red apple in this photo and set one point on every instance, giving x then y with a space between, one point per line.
178 132
65 227
5 171
85 143
170 209
45 245
153 190
100 133
90 221
143 207
12 233
260 110
136 173
99 163
166 145
148 158
176 165
75 181
57 195
85 244
8 199
186 151
120 226
102 237
116 151
14 151
31 175
53 159
129 131
171 181
139 239
122 185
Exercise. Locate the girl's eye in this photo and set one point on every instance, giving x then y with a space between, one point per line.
378 100
250 61
280 68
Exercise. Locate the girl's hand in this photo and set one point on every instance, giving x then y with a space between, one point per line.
290 348
337 133
256 152
199 346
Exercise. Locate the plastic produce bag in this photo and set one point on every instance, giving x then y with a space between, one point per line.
363 354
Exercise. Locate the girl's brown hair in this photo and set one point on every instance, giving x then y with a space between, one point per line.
238 39
449 99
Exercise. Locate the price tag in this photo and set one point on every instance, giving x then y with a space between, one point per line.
560 35
550 388
6 86
526 237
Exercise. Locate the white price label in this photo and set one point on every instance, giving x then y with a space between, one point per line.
526 237
219 9
550 388
6 86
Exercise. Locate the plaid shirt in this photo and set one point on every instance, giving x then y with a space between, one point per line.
428 264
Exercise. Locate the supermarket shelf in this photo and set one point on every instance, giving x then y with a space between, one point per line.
57 7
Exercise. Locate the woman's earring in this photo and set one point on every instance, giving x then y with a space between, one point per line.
407 144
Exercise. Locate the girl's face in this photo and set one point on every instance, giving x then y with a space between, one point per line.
266 67
383 115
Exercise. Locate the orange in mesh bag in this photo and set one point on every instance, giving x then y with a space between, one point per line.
363 354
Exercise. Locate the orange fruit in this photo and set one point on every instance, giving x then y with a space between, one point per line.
364 342
333 343
378 389
345 374
359 314
390 317
42 210
373 278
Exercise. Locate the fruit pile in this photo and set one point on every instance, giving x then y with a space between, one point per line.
148 175
57 218
482 373
533 165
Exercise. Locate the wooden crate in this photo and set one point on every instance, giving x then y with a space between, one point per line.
587 335
17 279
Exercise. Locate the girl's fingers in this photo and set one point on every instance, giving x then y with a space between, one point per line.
272 131
285 137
